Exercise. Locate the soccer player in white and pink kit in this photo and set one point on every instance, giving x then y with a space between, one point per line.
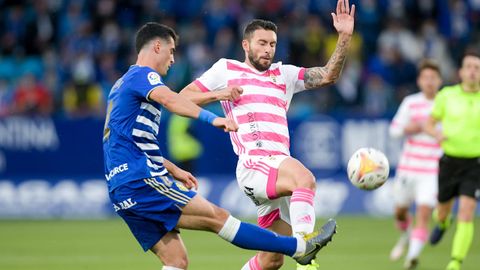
417 170
256 94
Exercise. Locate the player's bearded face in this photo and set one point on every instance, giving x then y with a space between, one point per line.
261 63
261 49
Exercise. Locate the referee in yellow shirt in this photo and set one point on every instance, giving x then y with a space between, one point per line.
457 107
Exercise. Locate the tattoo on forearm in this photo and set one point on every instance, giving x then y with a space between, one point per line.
319 76
314 76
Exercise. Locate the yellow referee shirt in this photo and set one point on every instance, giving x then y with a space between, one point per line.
459 112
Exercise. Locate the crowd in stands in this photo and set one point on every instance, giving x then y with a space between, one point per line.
60 58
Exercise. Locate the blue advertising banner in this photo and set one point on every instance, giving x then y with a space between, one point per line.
88 198
47 147
54 168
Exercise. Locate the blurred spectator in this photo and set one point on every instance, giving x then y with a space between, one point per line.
369 17
5 98
41 29
31 97
83 97
396 35
460 27
184 148
432 45
378 96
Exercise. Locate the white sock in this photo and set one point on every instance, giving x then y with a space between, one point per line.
302 213
417 242
301 246
170 268
229 229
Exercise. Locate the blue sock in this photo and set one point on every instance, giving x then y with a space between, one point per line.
249 236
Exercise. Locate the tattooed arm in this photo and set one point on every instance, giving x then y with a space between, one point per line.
343 21
316 77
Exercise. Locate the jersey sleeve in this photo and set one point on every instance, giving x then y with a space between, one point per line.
293 78
400 120
213 79
439 105
145 81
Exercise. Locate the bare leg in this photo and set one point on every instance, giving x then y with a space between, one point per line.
171 251
402 221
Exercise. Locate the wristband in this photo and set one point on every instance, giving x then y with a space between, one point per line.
207 116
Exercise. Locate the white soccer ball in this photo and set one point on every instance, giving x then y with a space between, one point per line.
368 168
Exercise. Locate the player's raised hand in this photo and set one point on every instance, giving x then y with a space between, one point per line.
227 124
231 93
343 19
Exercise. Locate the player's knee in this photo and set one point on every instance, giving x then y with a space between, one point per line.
305 179
180 262
221 213
401 214
273 262
220 216
465 216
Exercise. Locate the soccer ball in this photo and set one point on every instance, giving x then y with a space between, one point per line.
368 168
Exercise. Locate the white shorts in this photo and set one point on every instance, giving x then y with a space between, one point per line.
419 188
257 178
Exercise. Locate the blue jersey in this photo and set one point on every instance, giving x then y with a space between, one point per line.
130 145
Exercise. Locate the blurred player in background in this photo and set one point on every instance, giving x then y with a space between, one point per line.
257 96
416 177
457 107
153 195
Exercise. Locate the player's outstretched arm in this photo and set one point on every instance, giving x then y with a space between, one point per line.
343 21
195 94
177 104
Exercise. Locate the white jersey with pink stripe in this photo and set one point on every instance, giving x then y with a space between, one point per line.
261 111
420 151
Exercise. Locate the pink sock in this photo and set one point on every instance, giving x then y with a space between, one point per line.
252 264
403 225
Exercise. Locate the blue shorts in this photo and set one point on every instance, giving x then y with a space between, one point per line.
151 207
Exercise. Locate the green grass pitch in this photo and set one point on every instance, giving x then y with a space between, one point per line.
362 243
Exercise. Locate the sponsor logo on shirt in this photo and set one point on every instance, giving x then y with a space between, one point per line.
154 78
116 170
249 192
254 129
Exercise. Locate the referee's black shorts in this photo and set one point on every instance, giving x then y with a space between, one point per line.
458 176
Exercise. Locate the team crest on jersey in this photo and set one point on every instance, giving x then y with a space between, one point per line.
273 78
154 78
181 186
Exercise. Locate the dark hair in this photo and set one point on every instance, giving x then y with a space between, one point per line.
258 24
152 30
471 52
429 64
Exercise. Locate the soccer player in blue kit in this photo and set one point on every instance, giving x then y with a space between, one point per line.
153 195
